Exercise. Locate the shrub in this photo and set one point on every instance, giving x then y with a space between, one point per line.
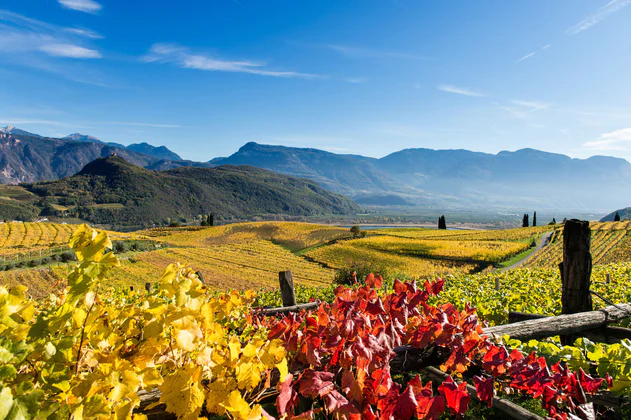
68 256
361 269
120 247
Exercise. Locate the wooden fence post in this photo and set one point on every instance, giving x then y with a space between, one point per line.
576 270
200 276
497 284
286 281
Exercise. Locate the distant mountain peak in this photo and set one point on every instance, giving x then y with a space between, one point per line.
159 152
9 129
82 137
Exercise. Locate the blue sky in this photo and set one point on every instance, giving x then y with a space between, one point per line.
365 77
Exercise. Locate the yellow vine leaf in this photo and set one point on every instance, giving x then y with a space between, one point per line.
182 392
240 409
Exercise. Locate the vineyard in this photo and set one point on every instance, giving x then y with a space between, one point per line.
93 351
608 244
18 240
250 255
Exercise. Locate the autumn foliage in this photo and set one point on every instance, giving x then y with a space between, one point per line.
340 356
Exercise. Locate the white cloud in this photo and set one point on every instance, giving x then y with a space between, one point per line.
526 56
368 53
88 6
22 36
85 33
459 90
17 121
534 106
615 140
69 50
602 13
182 57
529 104
545 47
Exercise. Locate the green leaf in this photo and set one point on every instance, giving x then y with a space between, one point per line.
7 373
26 406
6 402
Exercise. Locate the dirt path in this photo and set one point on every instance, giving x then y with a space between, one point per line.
543 241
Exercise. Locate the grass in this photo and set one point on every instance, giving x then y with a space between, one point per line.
517 257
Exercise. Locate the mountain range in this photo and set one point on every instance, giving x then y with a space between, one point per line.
455 179
526 178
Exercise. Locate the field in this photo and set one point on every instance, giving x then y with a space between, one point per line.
250 255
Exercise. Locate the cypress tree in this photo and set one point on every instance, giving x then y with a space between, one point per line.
211 220
525 222
534 219
442 224
616 218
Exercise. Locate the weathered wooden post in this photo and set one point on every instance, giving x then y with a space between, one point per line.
200 276
286 281
497 284
576 270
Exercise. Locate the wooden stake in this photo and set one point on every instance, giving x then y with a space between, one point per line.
497 284
286 280
576 270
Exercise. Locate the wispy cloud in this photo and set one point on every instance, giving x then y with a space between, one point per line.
183 57
16 121
88 6
610 8
85 33
615 140
545 47
526 56
369 53
459 90
23 35
68 50
534 106
356 80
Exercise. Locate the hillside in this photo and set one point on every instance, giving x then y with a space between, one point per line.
625 214
346 174
113 191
